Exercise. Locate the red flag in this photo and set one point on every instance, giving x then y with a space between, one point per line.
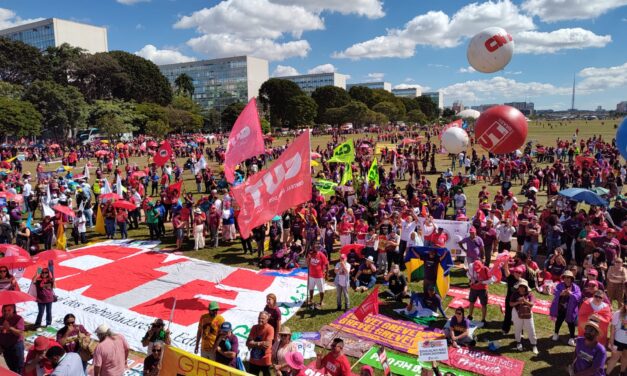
245 140
174 190
370 305
495 270
163 154
270 192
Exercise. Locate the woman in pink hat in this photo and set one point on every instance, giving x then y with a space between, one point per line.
296 363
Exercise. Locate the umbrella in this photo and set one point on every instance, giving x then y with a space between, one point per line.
121 145
15 261
110 196
104 141
138 174
349 247
315 155
123 204
600 191
101 153
14 297
583 195
13 250
408 141
52 254
64 210
54 146
151 144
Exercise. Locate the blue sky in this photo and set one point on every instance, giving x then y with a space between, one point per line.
404 42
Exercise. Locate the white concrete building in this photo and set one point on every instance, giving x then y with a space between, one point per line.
310 82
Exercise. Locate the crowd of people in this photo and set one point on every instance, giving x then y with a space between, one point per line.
557 249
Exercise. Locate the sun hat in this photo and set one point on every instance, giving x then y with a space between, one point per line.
295 360
594 325
593 271
368 370
568 273
213 306
522 282
285 330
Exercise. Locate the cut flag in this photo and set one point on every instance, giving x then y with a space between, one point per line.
175 189
163 154
347 175
344 152
370 305
373 173
245 140
415 266
325 187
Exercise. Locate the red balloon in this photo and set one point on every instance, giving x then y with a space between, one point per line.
501 129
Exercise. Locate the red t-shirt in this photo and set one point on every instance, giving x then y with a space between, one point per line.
439 240
482 275
317 264
361 230
345 228
45 364
336 366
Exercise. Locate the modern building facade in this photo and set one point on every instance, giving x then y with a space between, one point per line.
527 108
621 107
310 82
437 97
53 32
457 106
483 107
373 85
410 92
220 82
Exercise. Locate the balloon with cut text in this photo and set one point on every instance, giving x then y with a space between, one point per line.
455 140
501 129
490 50
621 138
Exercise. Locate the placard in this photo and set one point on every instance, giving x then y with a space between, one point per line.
433 350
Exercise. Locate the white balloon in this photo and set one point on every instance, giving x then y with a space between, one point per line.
519 153
469 114
490 50
455 140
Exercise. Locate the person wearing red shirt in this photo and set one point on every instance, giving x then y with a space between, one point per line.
479 280
345 228
36 362
318 265
439 238
361 229
334 363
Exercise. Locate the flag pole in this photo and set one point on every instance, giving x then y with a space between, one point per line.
358 360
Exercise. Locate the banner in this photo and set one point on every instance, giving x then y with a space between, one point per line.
353 346
373 173
281 187
484 363
433 350
396 334
456 231
178 362
164 154
344 152
325 187
542 307
404 365
245 140
380 146
127 287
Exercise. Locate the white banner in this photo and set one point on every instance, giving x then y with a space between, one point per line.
456 230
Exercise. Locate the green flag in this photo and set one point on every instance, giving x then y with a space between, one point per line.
373 173
348 174
325 187
344 152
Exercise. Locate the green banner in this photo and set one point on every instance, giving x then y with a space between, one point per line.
373 173
325 187
344 152
347 175
405 365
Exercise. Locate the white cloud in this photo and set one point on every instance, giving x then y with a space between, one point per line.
536 42
467 70
8 19
598 79
131 2
559 10
376 76
500 89
409 79
513 73
438 66
411 86
284 70
368 8
223 45
436 29
324 68
164 56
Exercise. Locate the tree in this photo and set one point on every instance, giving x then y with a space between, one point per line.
20 63
230 114
113 126
157 128
182 121
416 116
410 104
448 113
274 96
186 103
391 110
302 110
362 94
113 117
329 97
145 82
265 126
211 119
97 76
62 61
19 118
373 117
145 112
184 85
63 108
428 107
11 91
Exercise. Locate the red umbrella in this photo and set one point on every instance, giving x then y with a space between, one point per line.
52 254
123 204
12 262
64 210
138 174
408 141
151 144
110 196
13 250
14 297
101 153
349 247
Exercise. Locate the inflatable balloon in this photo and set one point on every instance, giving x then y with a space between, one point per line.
490 50
455 140
501 129
469 114
621 138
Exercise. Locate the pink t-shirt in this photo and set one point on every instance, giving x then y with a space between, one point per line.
110 356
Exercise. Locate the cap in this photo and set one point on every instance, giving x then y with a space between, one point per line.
610 231
568 273
367 370
197 211
102 329
343 256
295 360
41 343
593 271
213 306
472 230
369 258
522 282
518 269
226 327
298 242
285 330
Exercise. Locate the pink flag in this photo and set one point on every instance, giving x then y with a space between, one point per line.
245 140
370 305
495 270
268 193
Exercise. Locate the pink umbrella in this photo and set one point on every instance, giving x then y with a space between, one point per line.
12 262
13 250
151 144
123 204
101 153
14 297
52 254
110 196
138 174
64 210
315 155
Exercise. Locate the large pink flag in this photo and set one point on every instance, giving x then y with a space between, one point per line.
245 140
270 192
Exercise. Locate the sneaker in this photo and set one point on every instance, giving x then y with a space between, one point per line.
535 350
571 342
519 347
555 337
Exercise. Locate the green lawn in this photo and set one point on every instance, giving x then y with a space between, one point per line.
553 357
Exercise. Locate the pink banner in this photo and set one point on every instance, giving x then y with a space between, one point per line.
542 307
484 363
283 186
245 140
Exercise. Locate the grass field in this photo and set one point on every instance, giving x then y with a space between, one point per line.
553 356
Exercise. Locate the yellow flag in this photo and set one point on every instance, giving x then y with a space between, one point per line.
347 175
61 239
344 152
100 227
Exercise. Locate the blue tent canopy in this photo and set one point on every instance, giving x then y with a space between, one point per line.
583 195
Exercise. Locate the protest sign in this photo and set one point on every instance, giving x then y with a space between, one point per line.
178 362
404 365
353 346
484 363
433 350
540 306
400 335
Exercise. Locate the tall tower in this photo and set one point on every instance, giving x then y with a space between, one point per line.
572 100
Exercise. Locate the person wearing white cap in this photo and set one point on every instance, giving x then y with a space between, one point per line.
522 300
365 278
111 353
